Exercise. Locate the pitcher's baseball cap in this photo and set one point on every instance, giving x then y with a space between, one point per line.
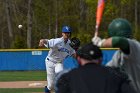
66 29
90 52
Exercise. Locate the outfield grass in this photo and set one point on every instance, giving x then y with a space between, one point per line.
22 75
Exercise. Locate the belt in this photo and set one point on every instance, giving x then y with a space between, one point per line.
48 59
52 61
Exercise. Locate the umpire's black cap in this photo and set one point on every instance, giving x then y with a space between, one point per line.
90 52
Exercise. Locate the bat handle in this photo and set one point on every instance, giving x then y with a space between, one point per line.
96 31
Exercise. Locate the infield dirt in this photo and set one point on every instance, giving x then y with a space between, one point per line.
23 84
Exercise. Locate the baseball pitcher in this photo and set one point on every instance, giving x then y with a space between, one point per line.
59 49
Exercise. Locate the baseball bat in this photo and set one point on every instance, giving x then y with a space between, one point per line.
99 13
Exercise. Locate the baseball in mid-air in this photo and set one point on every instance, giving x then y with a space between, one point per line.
20 26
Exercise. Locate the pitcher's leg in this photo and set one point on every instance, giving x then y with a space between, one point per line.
58 67
50 75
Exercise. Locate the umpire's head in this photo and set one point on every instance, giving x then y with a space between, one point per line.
89 53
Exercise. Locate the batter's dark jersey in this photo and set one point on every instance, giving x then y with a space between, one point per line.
93 78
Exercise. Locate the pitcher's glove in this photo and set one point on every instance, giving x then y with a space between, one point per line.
75 43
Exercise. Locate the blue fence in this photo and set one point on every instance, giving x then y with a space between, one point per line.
33 59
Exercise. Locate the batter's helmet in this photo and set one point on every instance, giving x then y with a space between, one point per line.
120 27
75 43
66 29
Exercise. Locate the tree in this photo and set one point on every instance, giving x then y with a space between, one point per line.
29 23
9 18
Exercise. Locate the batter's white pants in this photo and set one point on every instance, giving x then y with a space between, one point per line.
52 69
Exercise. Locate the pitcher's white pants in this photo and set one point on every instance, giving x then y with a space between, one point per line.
52 69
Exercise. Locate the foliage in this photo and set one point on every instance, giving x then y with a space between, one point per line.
48 17
19 43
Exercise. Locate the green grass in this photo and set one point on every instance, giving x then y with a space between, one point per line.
22 75
21 90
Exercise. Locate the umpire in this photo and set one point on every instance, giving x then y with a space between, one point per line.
91 77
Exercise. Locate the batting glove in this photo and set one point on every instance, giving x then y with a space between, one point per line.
97 41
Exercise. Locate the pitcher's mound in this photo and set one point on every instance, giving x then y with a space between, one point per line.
23 84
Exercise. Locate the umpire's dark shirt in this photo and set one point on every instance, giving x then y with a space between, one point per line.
92 78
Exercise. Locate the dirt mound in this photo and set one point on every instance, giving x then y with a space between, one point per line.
23 84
